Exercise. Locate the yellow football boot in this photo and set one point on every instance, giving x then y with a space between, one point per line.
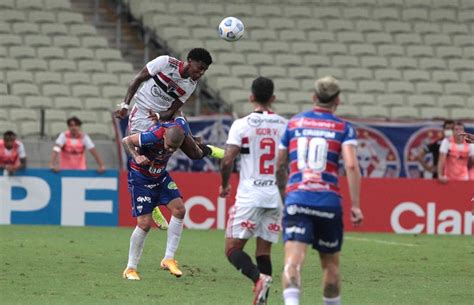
216 152
131 274
171 265
159 219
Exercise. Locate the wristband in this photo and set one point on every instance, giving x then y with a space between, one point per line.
157 116
124 105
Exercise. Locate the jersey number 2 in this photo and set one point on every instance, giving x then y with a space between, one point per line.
312 153
267 169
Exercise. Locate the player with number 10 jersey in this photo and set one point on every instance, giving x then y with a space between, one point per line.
314 140
310 149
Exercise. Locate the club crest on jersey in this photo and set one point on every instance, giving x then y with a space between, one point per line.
416 143
377 155
171 87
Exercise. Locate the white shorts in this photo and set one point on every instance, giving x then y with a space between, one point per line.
138 121
245 222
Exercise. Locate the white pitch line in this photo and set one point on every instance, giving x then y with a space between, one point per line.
392 243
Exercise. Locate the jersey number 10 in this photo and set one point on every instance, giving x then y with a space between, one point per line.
312 153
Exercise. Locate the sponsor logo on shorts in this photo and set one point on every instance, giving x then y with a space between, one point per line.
172 186
151 186
294 209
142 199
264 182
247 224
328 244
274 227
295 229
139 208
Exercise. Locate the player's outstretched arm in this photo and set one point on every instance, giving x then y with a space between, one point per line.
142 76
351 166
231 152
282 172
192 149
129 144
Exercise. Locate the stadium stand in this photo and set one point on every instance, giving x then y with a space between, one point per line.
52 58
395 59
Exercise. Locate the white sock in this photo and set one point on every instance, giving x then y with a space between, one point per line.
137 241
332 301
175 228
291 296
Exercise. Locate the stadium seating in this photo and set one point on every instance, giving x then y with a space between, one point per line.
394 59
409 59
50 58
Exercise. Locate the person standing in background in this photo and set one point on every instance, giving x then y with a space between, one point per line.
454 155
12 153
469 138
433 149
71 147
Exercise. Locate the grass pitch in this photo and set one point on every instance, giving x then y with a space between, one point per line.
66 265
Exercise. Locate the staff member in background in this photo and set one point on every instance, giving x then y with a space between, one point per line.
12 153
454 154
71 146
469 138
433 149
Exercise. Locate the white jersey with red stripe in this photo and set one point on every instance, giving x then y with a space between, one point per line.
160 91
258 135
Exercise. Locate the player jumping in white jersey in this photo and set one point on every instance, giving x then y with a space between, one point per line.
167 85
257 210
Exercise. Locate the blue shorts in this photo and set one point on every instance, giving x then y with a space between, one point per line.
147 193
320 227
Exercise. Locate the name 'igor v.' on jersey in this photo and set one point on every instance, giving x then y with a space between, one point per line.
258 135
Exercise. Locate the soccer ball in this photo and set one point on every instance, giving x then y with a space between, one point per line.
231 29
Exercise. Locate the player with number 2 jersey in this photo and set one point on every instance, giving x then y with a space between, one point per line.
257 210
